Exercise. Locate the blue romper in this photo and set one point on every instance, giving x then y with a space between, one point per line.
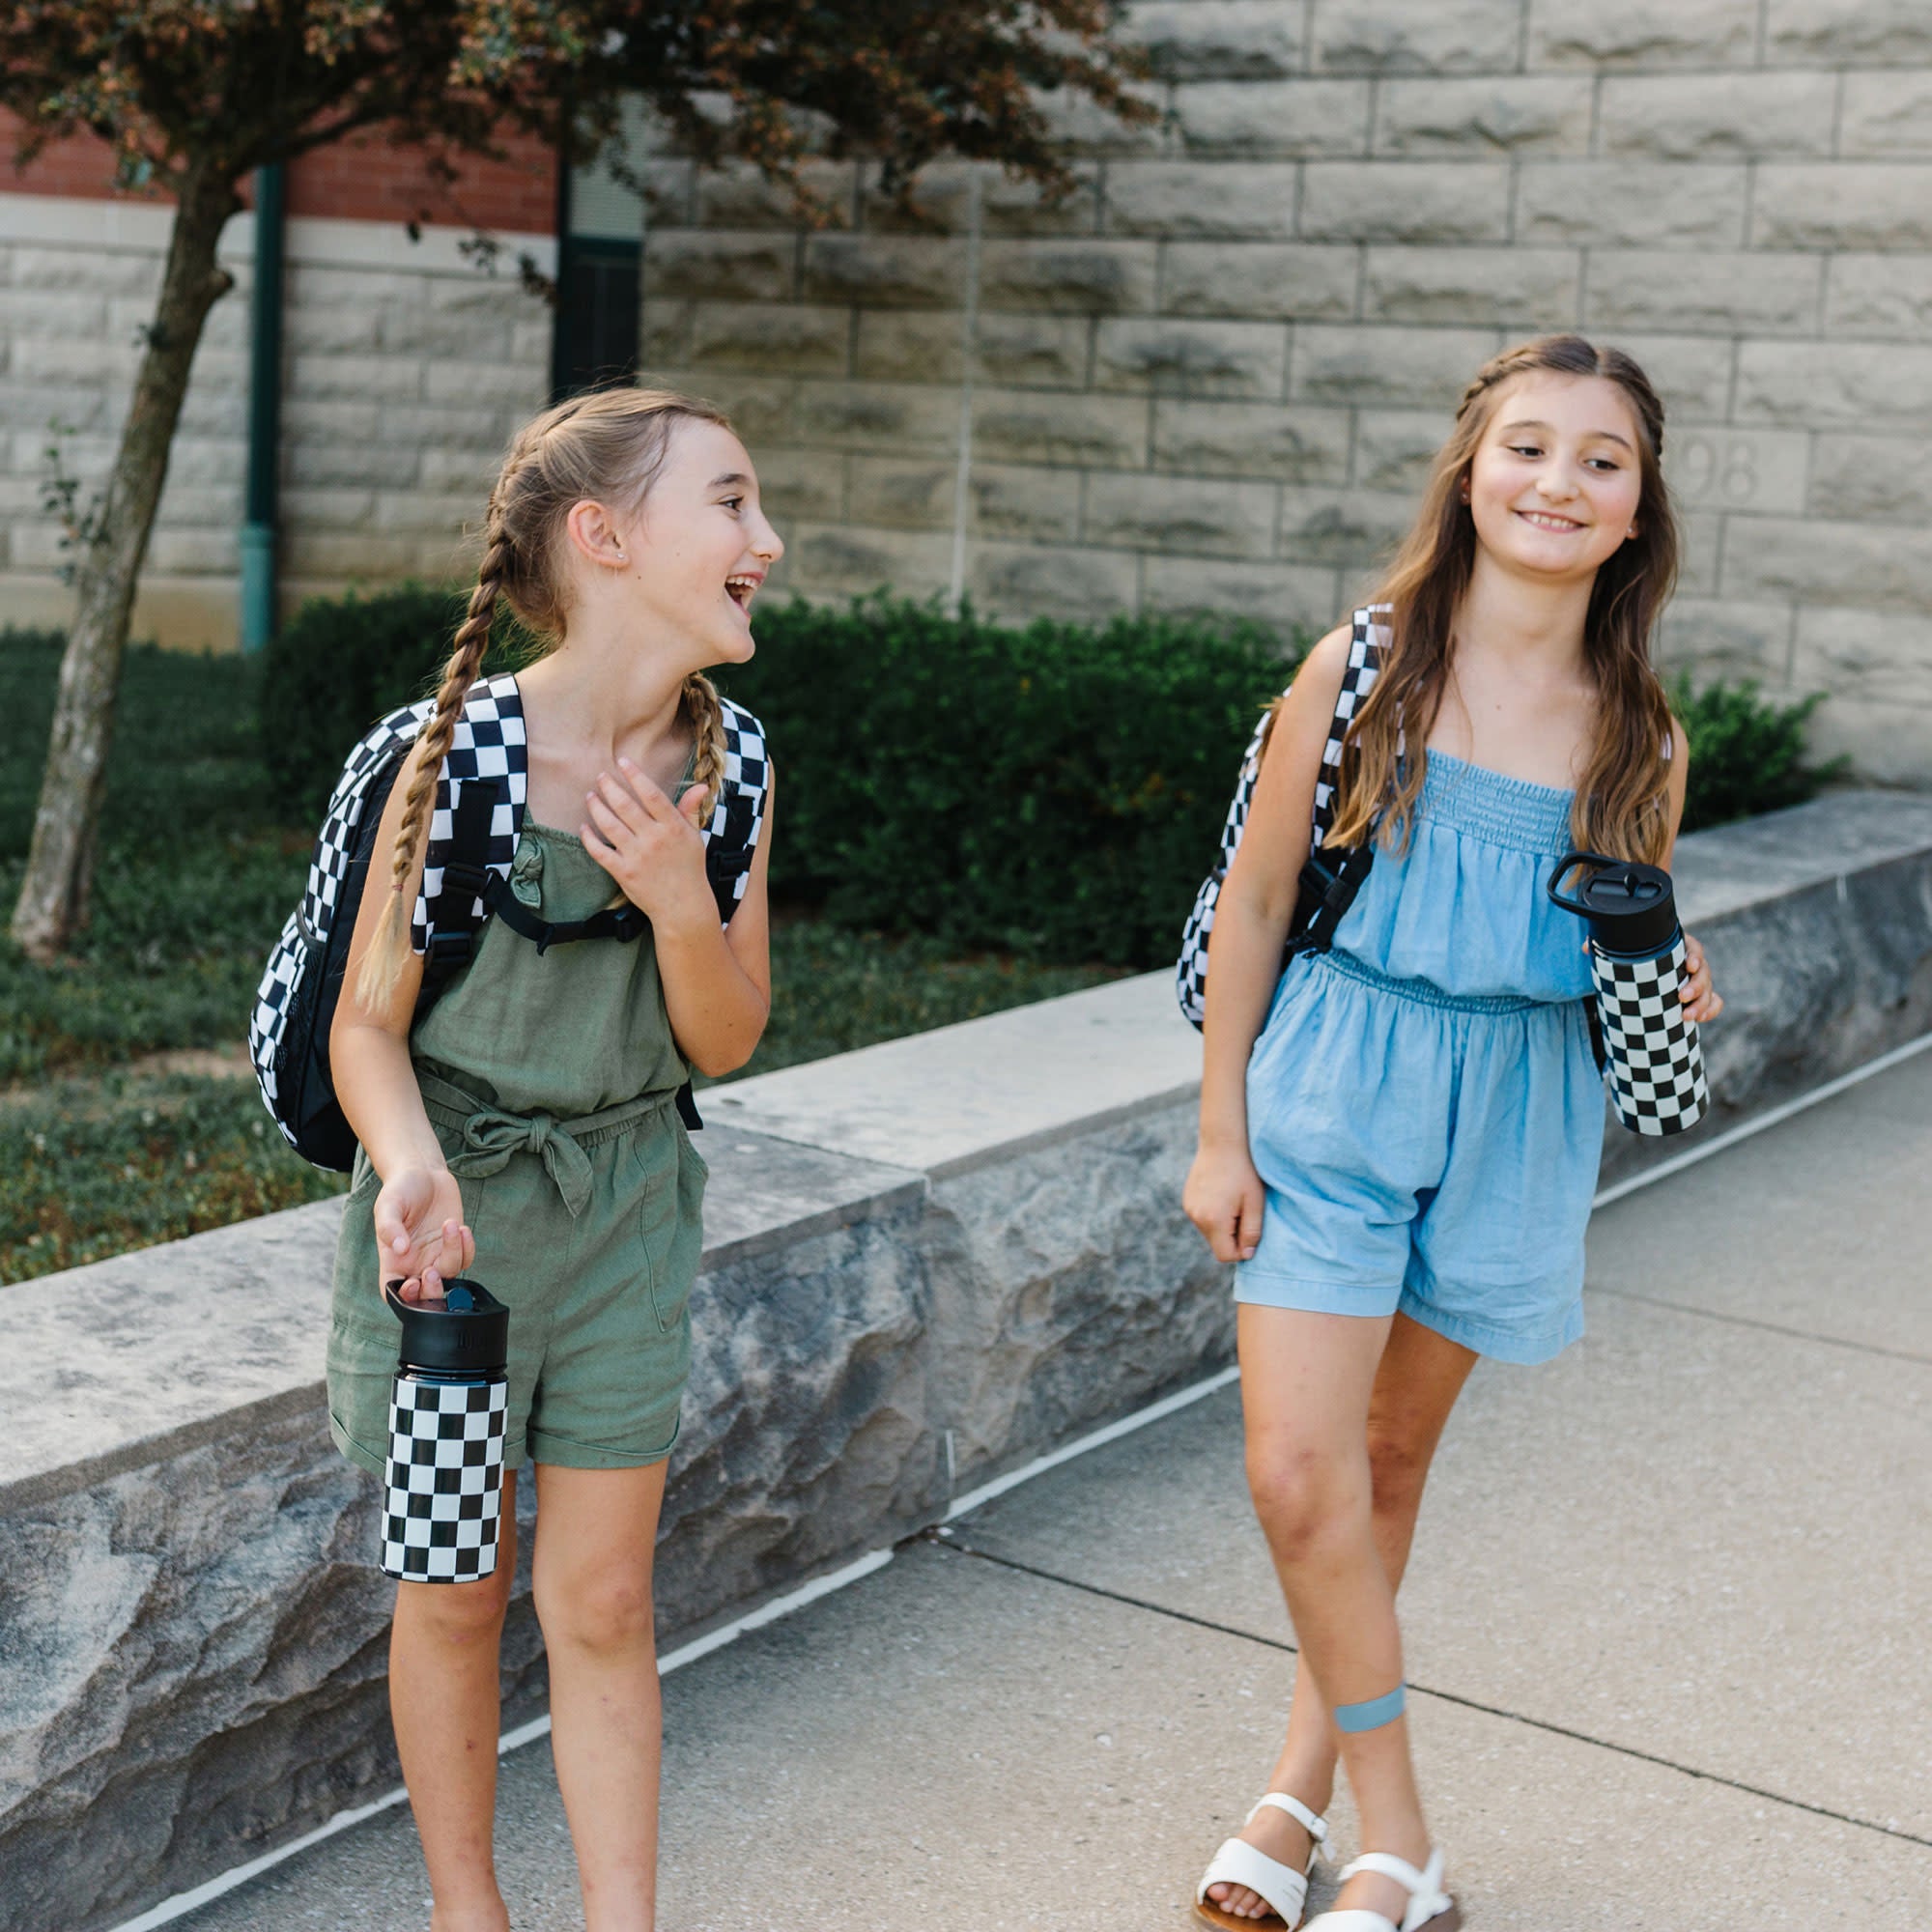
1424 1107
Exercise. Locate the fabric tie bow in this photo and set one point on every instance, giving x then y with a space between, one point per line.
490 1139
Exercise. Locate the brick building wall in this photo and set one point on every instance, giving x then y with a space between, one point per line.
406 368
1213 379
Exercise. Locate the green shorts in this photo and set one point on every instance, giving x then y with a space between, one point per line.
589 1232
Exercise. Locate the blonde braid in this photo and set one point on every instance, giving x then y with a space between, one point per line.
707 723
383 964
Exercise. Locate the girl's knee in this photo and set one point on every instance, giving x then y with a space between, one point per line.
1304 1494
457 1613
1398 1467
601 1611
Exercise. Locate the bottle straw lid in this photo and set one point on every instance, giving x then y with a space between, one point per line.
1631 907
469 1330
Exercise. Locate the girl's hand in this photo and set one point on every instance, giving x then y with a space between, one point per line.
650 846
1700 1002
419 1231
1223 1198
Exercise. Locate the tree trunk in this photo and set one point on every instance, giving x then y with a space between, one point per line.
54 893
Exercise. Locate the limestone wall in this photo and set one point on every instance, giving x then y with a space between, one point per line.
405 369
1214 378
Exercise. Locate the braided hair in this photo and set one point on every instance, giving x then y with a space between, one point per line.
612 444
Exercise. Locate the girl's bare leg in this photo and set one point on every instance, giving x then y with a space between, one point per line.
443 1700
1307 1382
1417 1382
598 1530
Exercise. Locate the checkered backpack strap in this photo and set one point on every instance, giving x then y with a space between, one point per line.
489 743
1368 641
738 816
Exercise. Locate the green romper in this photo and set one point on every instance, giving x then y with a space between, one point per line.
551 1081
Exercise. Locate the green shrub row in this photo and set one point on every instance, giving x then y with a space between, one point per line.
1054 790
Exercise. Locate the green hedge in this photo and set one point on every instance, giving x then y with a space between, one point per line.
1054 790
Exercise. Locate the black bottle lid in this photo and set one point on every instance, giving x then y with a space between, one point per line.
1630 907
467 1330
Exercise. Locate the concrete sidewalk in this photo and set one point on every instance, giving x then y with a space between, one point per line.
1665 1627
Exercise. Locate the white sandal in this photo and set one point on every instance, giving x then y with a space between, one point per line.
1429 1905
1239 1862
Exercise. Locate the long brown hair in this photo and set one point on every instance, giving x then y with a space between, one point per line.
1621 807
610 445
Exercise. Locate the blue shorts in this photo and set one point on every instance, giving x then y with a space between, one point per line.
1425 1153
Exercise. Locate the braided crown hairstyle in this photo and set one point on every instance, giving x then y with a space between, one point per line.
610 445
1621 807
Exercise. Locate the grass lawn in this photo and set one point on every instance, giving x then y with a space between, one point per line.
99 1155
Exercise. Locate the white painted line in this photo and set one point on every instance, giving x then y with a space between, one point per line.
185 1902
1692 1156
976 1498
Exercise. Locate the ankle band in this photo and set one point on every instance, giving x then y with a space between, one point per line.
1372 1715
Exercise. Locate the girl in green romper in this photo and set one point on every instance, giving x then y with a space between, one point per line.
529 1125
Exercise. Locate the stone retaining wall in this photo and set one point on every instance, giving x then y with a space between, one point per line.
925 1262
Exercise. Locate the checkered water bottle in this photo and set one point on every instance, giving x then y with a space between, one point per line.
1654 1059
442 1497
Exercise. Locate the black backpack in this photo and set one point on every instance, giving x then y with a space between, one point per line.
478 815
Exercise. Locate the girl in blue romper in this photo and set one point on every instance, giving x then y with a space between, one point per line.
1399 1138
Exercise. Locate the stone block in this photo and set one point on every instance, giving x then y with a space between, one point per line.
1874 478
357 378
1395 449
1078 127
1825 384
333 329
1850 655
1760 470
1699 534
330 423
1386 367
885 271
430 512
1646 34
1295 602
1802 31
1886 743
1025 580
452 471
447 425
200 460
1500 114
1024 350
38 406
1193 515
910 346
668 187
736 195
901 494
1296 118
1536 288
87 271
515 384
1631 205
355 556
51 361
188 553
1887 296
721 266
343 506
1290 281
761 407
214 408
1886 115
1842 205
1691 372
1343 527
1219 40
940 199
1405 201
785 336
78 316
1084 277
1716 638
1725 293
485 294
848 561
1170 357
1039 426
801 483
1017 500
1866 566
664 333
1712 117
1201 199
1416 35
877 417
1286 444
